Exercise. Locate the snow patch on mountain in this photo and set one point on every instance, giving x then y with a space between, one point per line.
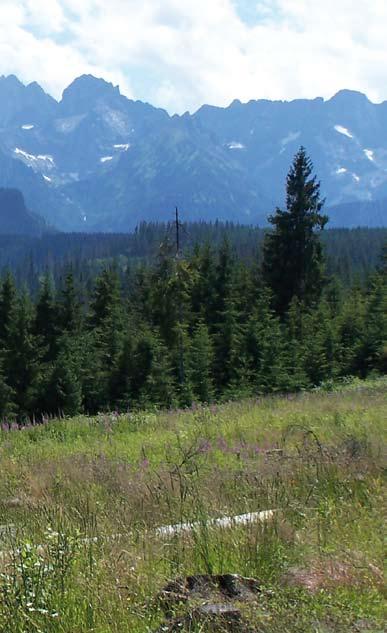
369 154
343 130
46 158
123 146
235 145
341 170
22 153
32 158
27 126
105 159
356 177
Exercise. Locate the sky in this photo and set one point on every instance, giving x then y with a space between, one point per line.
179 54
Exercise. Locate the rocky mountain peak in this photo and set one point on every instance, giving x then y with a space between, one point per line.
346 98
84 91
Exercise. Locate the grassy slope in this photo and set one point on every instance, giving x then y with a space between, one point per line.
72 479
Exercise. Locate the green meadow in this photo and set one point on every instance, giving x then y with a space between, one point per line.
81 500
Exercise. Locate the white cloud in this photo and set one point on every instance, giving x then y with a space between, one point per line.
182 53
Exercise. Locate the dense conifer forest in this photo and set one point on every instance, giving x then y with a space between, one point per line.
232 312
350 253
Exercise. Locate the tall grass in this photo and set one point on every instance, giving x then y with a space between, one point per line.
82 498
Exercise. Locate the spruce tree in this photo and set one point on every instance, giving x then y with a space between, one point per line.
351 328
8 302
69 308
158 386
63 390
23 358
204 281
121 379
201 360
46 318
295 348
374 345
293 263
264 348
106 329
7 397
229 365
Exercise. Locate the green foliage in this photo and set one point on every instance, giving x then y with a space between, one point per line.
293 263
63 390
46 318
265 348
69 306
7 398
34 585
8 303
23 358
201 360
171 338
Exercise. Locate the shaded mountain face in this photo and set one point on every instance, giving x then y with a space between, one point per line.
344 136
99 161
174 164
15 218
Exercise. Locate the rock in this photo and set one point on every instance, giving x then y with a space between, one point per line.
211 618
216 588
209 601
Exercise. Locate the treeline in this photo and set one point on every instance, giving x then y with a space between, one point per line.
351 254
207 326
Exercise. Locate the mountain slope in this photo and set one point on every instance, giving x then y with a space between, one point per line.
353 214
174 165
41 197
15 218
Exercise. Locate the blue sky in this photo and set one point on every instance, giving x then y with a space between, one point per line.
179 54
254 12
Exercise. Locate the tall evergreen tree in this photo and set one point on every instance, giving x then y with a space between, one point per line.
264 348
106 328
152 364
23 358
374 345
228 364
7 397
69 308
202 294
122 377
63 390
201 360
8 302
45 323
293 260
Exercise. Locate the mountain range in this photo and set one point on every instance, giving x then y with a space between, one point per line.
97 161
